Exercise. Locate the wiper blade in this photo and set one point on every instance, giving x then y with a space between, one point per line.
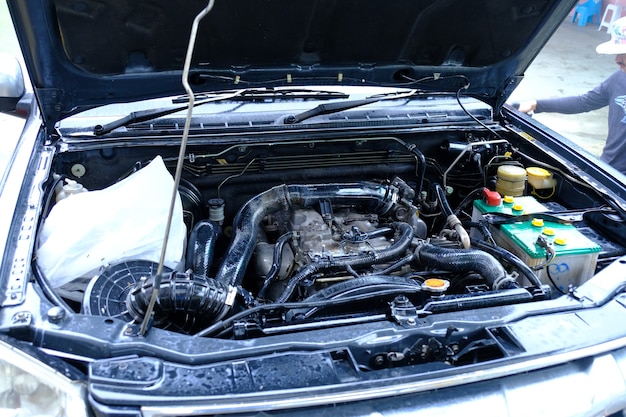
250 94
260 94
150 114
337 107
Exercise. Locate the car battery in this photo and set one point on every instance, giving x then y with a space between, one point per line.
507 205
492 203
576 255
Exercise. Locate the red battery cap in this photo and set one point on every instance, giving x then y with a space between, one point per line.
492 198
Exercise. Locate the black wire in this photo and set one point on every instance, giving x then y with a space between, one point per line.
552 281
458 99
473 195
47 289
49 194
38 274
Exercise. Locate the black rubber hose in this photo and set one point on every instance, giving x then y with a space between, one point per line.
421 163
368 196
184 300
451 219
303 273
359 286
473 195
462 260
201 247
509 258
443 200
398 264
378 256
276 262
245 233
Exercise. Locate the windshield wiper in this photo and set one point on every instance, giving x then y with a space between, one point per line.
330 108
238 95
260 94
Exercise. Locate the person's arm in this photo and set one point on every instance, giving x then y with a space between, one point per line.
591 100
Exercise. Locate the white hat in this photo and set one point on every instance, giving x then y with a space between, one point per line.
617 44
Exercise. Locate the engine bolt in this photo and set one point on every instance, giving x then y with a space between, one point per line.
56 314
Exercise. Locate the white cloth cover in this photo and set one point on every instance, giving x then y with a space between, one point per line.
125 221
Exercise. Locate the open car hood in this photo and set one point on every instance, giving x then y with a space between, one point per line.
85 53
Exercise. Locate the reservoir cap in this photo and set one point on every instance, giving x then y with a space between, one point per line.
492 198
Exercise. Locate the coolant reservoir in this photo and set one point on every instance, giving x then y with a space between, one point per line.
511 180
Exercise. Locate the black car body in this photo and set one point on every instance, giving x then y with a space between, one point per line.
347 229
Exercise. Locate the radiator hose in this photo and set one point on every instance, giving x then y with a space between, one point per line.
201 247
462 260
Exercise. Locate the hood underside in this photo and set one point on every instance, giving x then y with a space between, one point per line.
86 53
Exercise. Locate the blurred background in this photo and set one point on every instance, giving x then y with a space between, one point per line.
569 65
10 126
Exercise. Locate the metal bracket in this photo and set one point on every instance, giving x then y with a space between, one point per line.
403 311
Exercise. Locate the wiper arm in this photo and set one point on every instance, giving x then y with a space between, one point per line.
135 117
344 105
250 94
145 115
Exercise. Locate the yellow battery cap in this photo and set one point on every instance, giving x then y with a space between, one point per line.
518 207
537 222
560 241
508 199
548 231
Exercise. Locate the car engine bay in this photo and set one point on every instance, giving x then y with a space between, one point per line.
301 214
291 235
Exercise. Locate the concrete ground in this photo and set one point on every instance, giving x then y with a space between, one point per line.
569 65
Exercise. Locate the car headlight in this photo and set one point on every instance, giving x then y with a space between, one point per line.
30 388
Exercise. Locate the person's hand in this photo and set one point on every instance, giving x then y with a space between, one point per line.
527 106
